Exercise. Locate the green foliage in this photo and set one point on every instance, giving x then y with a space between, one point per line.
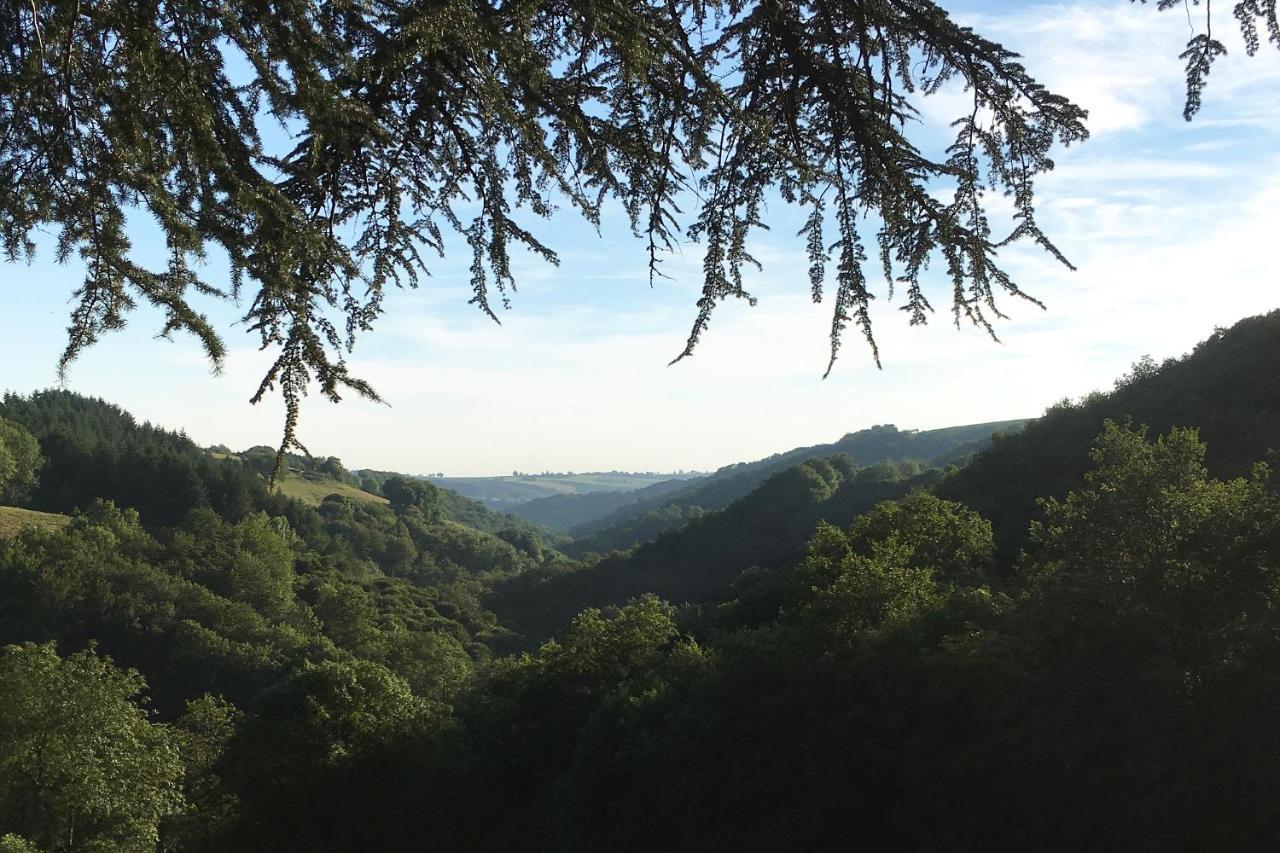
1117 698
1225 388
251 561
447 504
860 598
203 733
1152 600
11 843
323 715
96 450
856 661
298 762
222 607
527 717
472 550
878 690
923 531
416 495
635 530
81 766
263 460
1144 550
20 462
106 579
762 741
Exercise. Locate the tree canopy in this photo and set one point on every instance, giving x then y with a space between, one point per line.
81 766
405 122
20 462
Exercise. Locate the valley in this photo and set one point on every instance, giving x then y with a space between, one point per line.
343 630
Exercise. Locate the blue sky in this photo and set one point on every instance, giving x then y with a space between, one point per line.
1171 225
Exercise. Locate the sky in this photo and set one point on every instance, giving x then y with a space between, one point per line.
1171 226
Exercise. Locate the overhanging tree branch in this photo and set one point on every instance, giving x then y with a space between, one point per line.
412 119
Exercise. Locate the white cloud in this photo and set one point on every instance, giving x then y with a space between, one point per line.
1116 61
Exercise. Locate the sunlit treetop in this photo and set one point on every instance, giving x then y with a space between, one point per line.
408 121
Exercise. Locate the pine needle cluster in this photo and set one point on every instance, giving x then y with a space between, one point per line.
411 120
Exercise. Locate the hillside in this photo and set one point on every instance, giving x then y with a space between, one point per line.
313 489
96 450
183 565
473 513
1228 388
13 519
312 479
699 562
642 520
838 634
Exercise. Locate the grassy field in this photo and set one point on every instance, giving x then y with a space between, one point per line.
313 490
309 491
13 519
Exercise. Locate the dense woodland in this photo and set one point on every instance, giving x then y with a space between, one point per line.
1068 639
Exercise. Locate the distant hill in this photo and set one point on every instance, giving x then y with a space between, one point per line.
565 512
506 493
1228 387
313 479
700 561
644 519
96 450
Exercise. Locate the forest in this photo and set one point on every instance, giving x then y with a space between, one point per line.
1053 635
1056 633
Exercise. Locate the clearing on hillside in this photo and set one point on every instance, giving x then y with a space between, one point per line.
13 519
313 490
